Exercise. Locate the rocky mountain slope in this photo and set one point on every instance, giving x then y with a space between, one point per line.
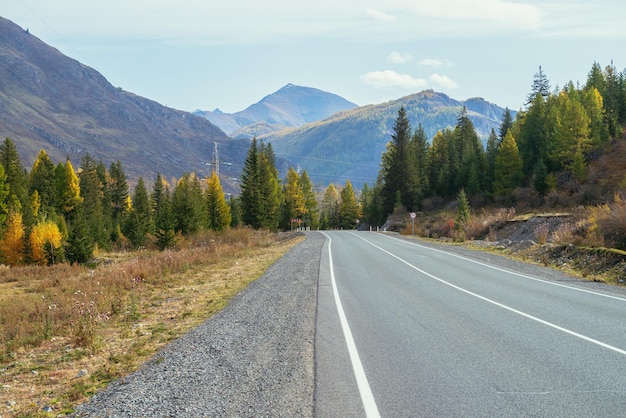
291 106
349 144
50 101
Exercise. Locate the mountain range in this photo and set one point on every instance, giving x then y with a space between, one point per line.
291 106
349 144
52 102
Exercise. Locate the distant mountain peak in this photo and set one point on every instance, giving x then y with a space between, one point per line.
289 106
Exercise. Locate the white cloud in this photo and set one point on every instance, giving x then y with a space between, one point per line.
430 62
389 78
399 58
443 82
378 15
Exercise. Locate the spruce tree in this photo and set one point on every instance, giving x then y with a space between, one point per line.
16 179
42 180
250 197
138 222
399 166
164 221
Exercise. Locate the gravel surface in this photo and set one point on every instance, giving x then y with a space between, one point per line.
254 358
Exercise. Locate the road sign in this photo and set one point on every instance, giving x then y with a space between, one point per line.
413 215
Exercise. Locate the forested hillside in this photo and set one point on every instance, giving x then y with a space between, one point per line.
541 156
348 145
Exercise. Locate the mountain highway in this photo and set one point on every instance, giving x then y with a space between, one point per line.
408 329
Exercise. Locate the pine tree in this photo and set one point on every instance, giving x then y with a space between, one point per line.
219 215
469 158
506 124
540 86
138 223
270 191
188 205
16 179
235 211
80 245
118 187
419 143
462 211
93 210
540 178
164 221
399 166
250 187
42 181
4 197
348 207
508 167
493 143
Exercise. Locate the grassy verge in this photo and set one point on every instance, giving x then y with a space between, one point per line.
67 331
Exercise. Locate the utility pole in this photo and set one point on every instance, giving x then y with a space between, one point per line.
215 161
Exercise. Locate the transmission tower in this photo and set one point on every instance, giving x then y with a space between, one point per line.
215 161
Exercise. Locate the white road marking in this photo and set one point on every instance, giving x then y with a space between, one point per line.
369 403
501 305
511 272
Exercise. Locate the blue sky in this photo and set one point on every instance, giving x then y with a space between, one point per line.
203 54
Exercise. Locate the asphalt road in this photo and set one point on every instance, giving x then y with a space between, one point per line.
406 329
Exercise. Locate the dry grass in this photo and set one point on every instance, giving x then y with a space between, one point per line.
66 331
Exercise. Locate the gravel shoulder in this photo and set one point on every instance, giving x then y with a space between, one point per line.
254 358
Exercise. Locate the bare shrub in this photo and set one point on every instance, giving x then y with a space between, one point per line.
541 233
564 234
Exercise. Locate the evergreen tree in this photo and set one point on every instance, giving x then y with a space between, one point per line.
188 205
4 197
68 189
419 143
508 166
16 179
235 211
540 86
462 211
540 178
80 245
534 134
138 222
506 124
42 180
270 191
330 208
311 214
120 197
469 158
493 142
219 214
399 166
570 128
93 211
348 207
250 197
164 220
